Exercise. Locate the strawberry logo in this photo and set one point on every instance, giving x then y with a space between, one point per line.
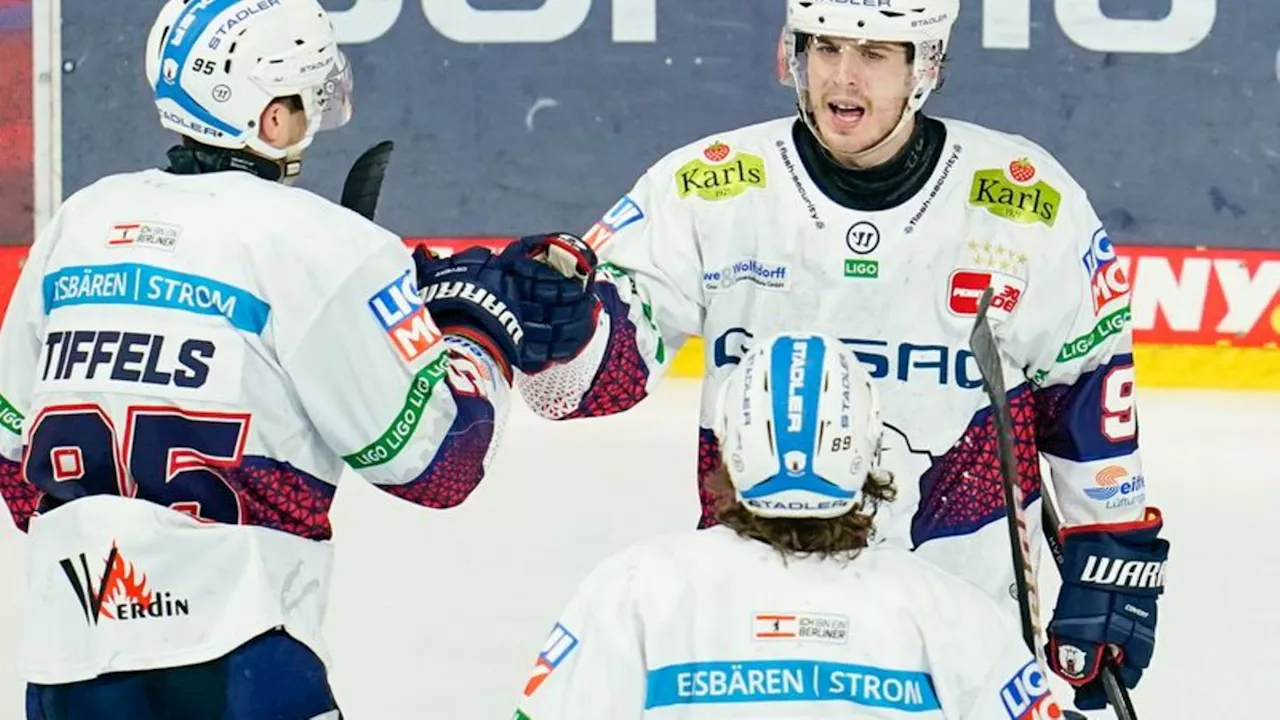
1022 171
717 152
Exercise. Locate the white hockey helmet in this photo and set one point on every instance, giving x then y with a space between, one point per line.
799 426
924 24
215 65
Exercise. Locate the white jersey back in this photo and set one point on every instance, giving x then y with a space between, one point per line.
707 625
223 347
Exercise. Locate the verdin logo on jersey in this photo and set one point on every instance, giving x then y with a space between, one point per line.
720 176
159 236
625 212
966 287
400 312
119 591
1026 696
1014 194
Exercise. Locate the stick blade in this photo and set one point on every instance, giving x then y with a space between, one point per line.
363 185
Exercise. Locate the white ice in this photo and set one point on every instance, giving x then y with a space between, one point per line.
440 614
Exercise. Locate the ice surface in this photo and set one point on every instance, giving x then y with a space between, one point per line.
440 614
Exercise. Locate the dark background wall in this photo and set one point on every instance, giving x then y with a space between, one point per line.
1176 148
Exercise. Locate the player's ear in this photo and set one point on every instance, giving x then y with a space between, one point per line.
274 124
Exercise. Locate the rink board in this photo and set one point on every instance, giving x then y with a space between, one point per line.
1202 318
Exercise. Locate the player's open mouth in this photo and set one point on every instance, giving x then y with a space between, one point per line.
846 115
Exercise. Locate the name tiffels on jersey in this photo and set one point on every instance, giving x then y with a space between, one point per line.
126 356
761 274
625 212
815 627
144 234
723 177
560 643
118 591
1107 277
1011 194
404 318
1026 696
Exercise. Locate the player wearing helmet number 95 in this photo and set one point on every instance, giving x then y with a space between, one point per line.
193 357
865 218
787 607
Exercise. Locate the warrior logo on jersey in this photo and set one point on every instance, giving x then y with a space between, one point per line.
1107 277
121 593
559 644
1015 195
623 213
404 318
721 176
1026 696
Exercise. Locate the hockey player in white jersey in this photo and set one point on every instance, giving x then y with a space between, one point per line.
782 610
866 219
190 360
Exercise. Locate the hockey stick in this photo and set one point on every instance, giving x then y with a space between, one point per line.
986 353
364 180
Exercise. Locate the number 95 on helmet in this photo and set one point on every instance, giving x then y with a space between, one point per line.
798 422
215 65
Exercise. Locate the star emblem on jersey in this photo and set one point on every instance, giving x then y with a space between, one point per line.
997 256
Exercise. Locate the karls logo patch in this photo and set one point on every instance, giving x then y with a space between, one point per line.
1015 194
965 289
804 627
404 318
558 646
625 212
718 175
119 591
159 236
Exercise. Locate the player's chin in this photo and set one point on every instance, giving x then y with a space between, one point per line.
849 142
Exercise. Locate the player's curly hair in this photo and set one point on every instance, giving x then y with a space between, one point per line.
840 537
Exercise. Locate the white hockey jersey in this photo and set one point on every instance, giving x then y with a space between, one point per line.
703 624
187 365
731 239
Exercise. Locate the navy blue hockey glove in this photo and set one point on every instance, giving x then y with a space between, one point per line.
554 276
1112 576
468 294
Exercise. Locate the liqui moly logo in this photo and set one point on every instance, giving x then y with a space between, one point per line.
404 318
